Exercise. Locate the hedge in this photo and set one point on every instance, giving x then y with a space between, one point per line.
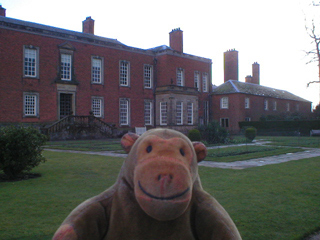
301 126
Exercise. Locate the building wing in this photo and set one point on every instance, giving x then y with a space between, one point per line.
234 86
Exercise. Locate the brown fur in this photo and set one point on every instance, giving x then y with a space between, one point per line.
158 195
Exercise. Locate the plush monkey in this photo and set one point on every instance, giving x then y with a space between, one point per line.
158 195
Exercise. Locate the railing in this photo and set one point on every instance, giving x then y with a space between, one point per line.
74 122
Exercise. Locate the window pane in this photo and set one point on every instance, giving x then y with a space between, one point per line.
30 62
163 113
179 113
96 70
225 102
266 105
227 122
205 82
224 122
247 103
97 107
148 76
30 105
274 106
197 80
124 107
124 73
65 67
148 113
190 113
180 80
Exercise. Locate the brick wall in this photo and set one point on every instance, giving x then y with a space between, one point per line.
237 112
13 84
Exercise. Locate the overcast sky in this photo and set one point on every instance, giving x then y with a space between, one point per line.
271 33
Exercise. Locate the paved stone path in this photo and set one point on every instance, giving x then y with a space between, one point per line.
256 162
102 153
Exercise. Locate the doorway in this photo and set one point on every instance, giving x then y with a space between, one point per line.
65 105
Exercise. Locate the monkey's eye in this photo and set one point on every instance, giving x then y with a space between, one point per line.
181 151
149 149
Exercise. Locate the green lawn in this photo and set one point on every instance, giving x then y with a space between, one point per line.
87 145
33 209
311 142
270 202
240 153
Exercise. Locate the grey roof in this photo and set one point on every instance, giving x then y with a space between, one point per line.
53 31
160 48
35 28
234 86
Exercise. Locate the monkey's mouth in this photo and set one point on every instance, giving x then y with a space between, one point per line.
162 198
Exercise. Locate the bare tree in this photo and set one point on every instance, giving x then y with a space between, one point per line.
315 3
314 54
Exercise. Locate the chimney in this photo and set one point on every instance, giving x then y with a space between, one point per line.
256 73
249 79
231 65
2 11
88 25
176 40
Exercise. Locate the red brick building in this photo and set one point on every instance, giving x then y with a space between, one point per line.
48 73
235 101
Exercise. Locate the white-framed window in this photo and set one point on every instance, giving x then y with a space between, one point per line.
224 103
275 106
288 107
189 113
30 104
247 119
266 104
124 111
147 76
66 67
148 112
30 61
179 113
124 73
224 122
180 77
96 70
247 103
97 106
197 80
163 113
205 82
297 107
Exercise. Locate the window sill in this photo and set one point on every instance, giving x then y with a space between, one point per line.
31 78
72 82
30 116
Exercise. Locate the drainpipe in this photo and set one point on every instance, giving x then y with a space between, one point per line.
155 74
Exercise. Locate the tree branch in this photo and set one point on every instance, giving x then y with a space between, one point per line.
312 82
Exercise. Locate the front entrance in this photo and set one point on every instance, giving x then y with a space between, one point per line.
65 105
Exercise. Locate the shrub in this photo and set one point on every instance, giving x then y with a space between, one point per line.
214 133
20 149
194 135
250 133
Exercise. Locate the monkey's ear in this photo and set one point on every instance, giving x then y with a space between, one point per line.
128 140
201 150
